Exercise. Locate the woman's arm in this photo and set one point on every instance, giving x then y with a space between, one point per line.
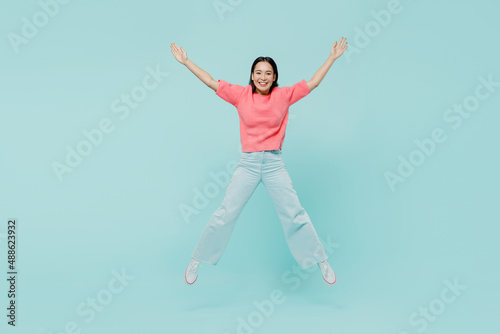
182 58
336 51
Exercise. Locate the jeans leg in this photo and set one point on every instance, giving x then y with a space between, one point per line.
217 232
300 234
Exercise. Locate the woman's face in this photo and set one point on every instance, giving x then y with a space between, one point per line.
263 77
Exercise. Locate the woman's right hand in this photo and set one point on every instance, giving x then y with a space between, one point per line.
179 54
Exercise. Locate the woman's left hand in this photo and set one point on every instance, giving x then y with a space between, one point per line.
338 48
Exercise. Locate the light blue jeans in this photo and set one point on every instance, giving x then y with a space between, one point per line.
267 167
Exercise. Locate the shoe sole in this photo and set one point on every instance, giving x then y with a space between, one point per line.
185 278
327 281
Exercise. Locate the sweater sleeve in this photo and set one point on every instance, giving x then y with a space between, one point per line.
296 92
229 92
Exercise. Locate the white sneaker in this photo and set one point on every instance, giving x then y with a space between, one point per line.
191 273
327 272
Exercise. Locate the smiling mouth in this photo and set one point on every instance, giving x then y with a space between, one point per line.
262 84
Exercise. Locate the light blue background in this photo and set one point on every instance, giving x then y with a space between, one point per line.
120 208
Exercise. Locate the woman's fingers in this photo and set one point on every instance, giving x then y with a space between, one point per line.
175 51
175 47
179 53
342 43
339 47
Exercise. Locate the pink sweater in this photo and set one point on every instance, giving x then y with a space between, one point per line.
263 118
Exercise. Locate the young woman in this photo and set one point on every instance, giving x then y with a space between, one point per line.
263 111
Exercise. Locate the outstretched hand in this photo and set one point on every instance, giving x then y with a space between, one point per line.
179 54
338 48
